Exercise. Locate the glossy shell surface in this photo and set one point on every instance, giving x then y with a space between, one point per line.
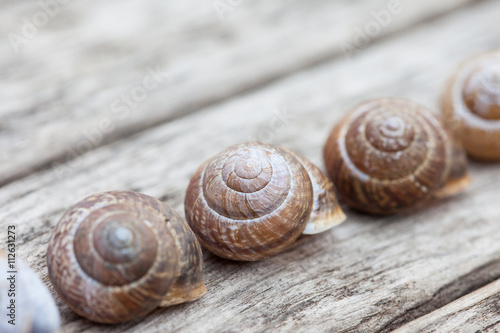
471 106
115 256
387 155
253 200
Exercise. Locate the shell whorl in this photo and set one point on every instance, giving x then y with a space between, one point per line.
117 244
244 184
115 256
471 106
387 155
249 202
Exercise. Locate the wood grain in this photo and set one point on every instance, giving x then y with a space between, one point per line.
83 66
477 309
369 274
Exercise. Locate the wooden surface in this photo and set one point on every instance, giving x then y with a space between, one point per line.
272 71
479 309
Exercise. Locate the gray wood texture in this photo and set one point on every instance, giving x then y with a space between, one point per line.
256 75
478 309
82 67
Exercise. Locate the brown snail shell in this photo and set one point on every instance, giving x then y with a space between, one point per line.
116 256
35 309
471 106
388 155
252 200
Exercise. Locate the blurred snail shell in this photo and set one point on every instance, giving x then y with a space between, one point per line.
471 106
387 155
253 200
35 310
115 256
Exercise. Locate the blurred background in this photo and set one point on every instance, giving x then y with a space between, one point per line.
135 95
76 76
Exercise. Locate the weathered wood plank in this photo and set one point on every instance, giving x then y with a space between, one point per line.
369 274
478 309
68 87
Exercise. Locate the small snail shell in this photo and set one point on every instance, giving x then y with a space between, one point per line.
115 256
471 106
253 200
388 155
34 308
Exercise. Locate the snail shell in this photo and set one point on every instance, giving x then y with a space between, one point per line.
35 309
115 256
471 106
253 200
387 155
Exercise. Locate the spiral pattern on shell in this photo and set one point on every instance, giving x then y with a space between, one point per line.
253 200
115 256
387 155
249 203
471 106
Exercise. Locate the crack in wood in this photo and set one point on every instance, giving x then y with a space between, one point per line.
126 132
461 286
486 328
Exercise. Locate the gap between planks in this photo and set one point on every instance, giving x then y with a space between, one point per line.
45 154
354 265
463 315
